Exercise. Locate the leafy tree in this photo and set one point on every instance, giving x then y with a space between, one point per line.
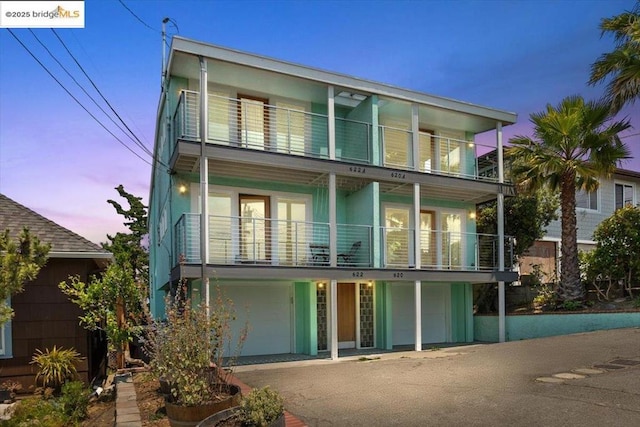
20 262
573 145
616 258
526 218
115 302
622 65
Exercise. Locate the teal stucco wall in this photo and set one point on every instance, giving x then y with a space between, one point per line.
523 327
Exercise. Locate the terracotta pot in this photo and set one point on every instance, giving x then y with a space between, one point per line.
190 416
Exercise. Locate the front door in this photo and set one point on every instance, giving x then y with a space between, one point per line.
346 315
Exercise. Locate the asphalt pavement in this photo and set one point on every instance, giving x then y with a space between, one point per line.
587 379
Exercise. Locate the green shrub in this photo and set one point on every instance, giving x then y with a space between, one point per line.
56 366
37 412
571 305
75 400
261 407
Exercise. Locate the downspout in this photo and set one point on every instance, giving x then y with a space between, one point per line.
204 181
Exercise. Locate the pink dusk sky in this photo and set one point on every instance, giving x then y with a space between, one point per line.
55 159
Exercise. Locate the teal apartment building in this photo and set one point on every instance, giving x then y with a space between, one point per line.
339 212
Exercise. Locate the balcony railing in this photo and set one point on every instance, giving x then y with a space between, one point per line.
443 250
240 240
256 125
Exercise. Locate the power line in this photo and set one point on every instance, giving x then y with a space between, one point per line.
137 140
79 85
74 98
138 18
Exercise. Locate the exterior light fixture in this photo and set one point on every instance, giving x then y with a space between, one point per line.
320 285
182 188
370 284
472 215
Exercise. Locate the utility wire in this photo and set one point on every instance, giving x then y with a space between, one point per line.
74 98
138 18
137 140
80 86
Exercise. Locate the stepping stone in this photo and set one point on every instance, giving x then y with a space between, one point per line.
588 371
625 362
568 376
608 367
550 380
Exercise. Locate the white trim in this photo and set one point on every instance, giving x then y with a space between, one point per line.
634 201
586 242
598 208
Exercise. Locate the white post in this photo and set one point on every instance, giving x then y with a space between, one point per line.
333 232
417 260
415 142
500 213
204 181
334 320
418 297
331 122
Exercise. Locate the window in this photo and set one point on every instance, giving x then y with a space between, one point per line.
624 195
2 346
253 122
291 124
587 200
5 337
219 112
427 150
292 230
396 140
398 236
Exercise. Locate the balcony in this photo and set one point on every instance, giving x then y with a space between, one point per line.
240 240
235 240
256 125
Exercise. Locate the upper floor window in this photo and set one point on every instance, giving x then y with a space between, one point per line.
587 200
624 195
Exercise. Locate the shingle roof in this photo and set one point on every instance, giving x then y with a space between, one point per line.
15 217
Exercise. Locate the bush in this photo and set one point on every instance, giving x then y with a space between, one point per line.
37 412
261 407
56 366
74 401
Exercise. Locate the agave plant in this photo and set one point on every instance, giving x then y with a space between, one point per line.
56 366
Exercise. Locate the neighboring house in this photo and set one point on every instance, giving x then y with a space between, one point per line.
340 212
44 316
622 189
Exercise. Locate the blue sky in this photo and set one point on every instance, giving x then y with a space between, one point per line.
511 55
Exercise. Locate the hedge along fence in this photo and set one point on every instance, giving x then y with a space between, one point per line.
527 326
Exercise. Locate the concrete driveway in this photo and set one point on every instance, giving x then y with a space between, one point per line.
477 385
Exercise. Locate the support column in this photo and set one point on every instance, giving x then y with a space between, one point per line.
417 250
418 298
415 129
500 214
331 122
416 261
204 180
333 232
334 319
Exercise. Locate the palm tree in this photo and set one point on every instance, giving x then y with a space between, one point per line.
574 144
622 65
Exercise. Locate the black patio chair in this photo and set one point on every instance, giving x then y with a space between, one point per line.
348 258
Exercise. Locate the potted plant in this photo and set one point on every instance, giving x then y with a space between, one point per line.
188 353
262 407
